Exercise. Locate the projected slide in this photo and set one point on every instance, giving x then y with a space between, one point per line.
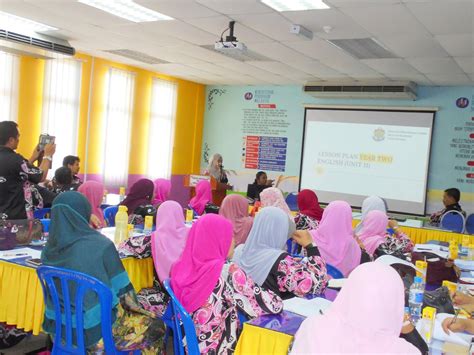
351 154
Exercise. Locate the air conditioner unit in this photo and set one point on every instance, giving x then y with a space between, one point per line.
382 91
39 46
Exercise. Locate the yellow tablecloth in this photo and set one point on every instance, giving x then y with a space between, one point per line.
256 340
21 297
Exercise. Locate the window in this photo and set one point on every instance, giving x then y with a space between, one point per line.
9 72
62 86
162 117
119 108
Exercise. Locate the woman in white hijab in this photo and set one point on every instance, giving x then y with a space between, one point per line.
216 169
371 203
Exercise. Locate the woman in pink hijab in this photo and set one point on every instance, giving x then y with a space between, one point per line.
94 192
274 197
335 239
377 241
235 208
366 317
202 198
162 191
169 238
213 291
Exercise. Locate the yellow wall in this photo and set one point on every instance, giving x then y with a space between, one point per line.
189 115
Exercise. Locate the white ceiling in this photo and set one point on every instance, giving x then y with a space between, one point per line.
433 39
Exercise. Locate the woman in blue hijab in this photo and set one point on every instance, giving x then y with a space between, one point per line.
74 245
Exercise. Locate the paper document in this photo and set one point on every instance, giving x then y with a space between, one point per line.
465 265
391 260
306 307
456 338
442 252
20 253
336 283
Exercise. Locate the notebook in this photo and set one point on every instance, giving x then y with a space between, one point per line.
305 307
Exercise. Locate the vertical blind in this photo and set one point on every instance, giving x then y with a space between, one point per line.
9 72
119 109
161 129
61 96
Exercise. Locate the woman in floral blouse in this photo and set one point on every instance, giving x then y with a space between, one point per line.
213 291
374 238
263 258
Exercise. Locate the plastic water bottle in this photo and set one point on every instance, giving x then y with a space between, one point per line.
415 299
121 225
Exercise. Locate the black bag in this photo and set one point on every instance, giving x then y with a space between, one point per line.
19 232
439 299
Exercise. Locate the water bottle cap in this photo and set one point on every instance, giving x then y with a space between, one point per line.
418 280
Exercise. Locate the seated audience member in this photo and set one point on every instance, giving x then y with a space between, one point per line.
375 240
216 169
371 203
139 201
202 202
261 183
274 197
94 192
213 291
263 258
451 200
167 244
162 191
18 175
310 213
236 209
335 240
47 197
73 244
465 302
366 317
72 162
63 181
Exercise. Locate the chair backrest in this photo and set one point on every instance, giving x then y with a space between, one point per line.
60 297
109 215
292 201
45 222
453 221
182 321
470 224
42 213
334 272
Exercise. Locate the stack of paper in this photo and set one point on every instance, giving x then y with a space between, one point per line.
305 307
455 338
392 260
442 252
20 253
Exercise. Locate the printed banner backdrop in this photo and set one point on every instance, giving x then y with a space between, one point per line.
261 128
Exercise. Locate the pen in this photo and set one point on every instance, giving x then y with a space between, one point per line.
19 254
321 312
455 317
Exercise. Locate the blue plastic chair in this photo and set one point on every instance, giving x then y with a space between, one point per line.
292 201
50 277
453 221
470 224
334 272
42 213
45 222
182 321
109 215
104 206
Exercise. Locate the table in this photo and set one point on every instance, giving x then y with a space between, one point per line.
269 334
21 297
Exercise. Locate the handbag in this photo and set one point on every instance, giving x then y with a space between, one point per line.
439 299
19 232
437 271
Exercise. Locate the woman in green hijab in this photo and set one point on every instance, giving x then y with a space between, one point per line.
72 244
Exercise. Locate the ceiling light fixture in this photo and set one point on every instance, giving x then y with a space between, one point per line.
295 5
127 9
11 22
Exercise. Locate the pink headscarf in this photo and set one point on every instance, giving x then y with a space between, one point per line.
169 239
334 238
235 209
94 192
202 197
195 274
274 197
162 190
366 317
373 230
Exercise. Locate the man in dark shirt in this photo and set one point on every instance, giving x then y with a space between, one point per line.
72 162
17 175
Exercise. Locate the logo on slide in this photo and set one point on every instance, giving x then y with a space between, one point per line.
462 102
379 134
248 96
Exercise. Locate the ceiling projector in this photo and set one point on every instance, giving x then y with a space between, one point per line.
230 46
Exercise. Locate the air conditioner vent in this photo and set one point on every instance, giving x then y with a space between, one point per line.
382 91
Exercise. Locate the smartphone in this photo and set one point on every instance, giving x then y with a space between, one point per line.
34 262
45 139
